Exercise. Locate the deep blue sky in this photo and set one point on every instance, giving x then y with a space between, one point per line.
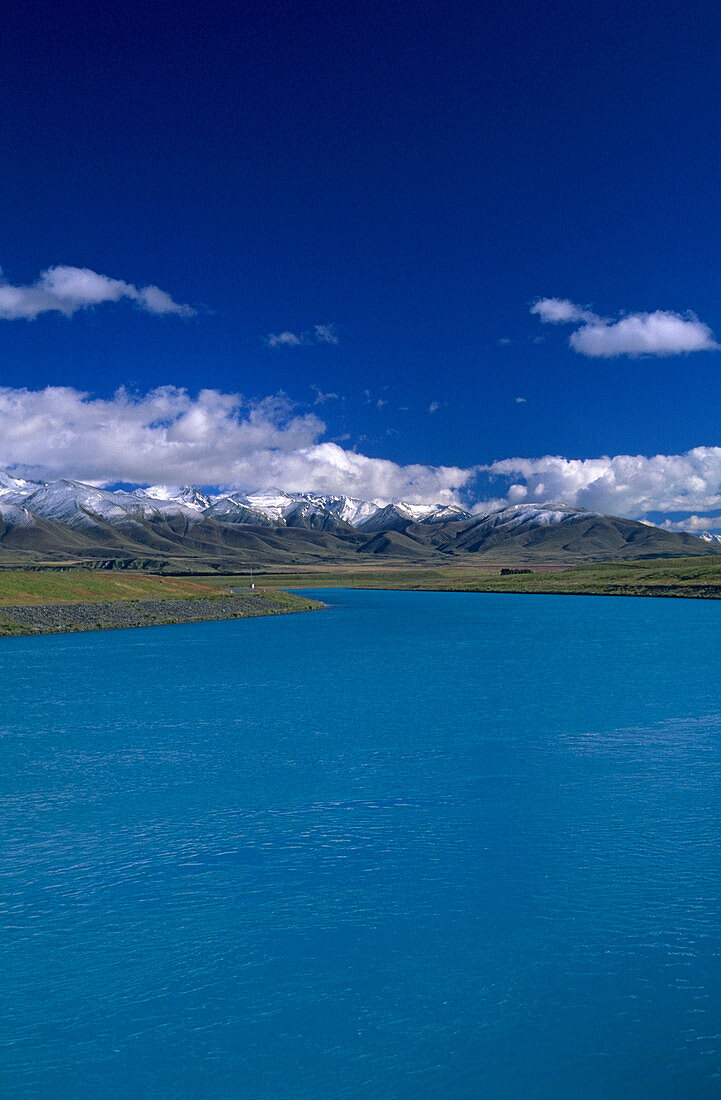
415 173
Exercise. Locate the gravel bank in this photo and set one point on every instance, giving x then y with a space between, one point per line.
60 618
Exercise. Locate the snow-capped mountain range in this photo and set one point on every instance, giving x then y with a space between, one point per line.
78 505
69 520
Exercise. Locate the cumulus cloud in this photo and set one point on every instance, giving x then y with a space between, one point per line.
693 524
660 333
170 436
318 334
434 407
216 438
283 340
560 311
69 289
517 494
622 485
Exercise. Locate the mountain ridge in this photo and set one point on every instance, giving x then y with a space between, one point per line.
70 520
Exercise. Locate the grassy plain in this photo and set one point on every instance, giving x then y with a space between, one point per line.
685 577
688 577
50 586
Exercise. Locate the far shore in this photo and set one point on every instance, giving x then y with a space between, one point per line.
679 578
59 600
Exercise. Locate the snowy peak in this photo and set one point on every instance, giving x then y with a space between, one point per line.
84 506
15 489
187 495
272 503
74 503
446 513
397 515
350 510
531 515
391 517
313 516
311 510
235 509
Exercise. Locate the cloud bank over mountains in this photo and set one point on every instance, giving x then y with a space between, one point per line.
69 289
622 485
222 439
212 439
694 525
660 333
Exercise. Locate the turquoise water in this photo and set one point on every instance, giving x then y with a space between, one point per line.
414 845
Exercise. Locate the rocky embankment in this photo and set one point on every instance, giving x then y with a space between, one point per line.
61 618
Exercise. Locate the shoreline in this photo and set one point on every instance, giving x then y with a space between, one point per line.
30 620
66 601
664 578
651 594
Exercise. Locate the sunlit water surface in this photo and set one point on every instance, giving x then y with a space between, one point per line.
414 845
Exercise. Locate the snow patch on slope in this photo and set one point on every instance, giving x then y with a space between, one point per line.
14 515
186 495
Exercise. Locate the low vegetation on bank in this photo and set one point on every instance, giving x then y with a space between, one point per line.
686 577
49 603
89 586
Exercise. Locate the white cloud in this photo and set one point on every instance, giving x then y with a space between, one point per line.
215 438
325 334
283 339
319 334
693 524
321 398
433 407
492 504
517 494
560 311
520 401
156 300
68 289
168 436
623 485
660 333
